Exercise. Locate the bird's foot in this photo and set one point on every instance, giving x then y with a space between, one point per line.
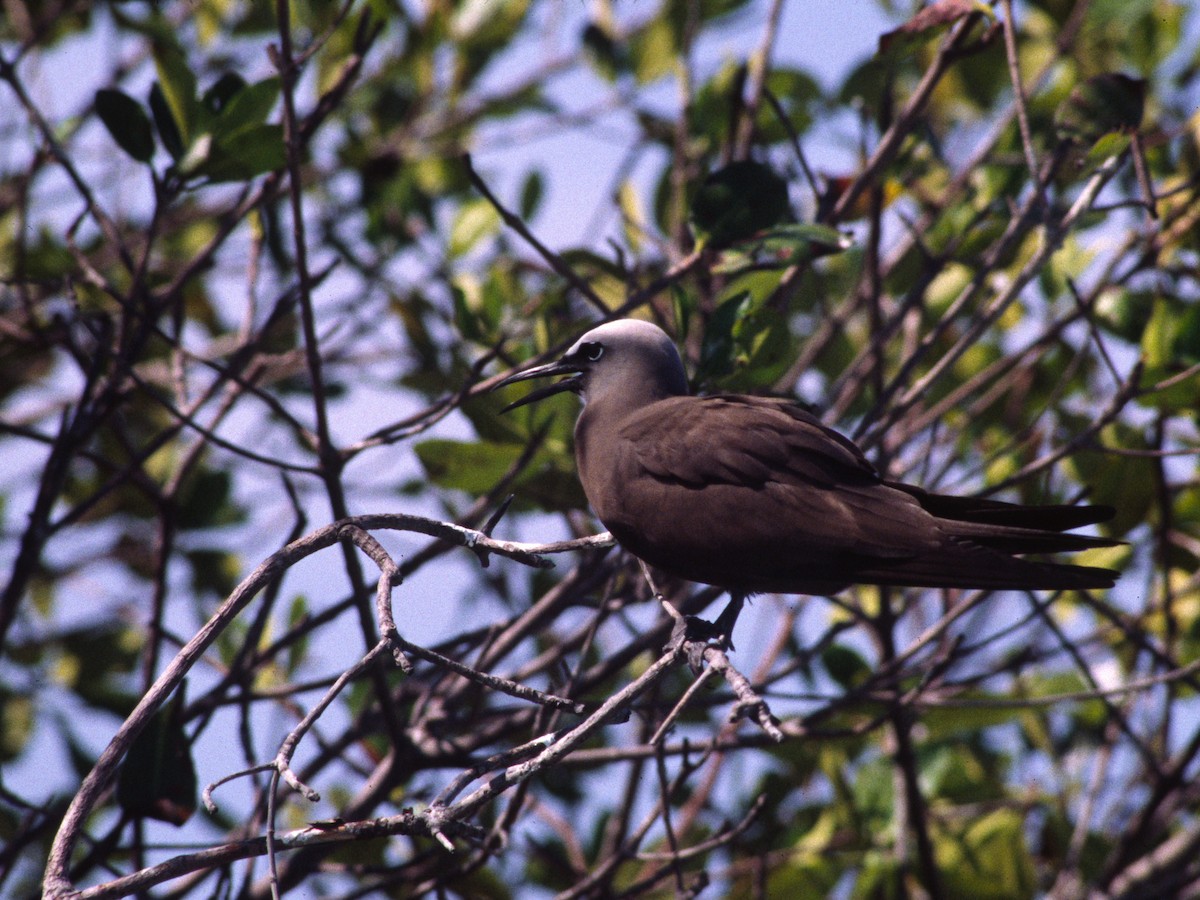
693 635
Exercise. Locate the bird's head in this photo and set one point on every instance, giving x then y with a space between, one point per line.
629 359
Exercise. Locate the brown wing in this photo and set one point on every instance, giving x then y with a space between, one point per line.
741 481
761 440
756 494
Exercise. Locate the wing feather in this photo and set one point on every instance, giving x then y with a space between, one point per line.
764 474
756 494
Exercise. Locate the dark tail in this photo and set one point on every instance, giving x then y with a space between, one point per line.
966 565
984 532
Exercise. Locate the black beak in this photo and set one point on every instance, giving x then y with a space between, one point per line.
550 369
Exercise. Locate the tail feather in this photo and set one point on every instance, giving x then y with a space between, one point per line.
963 564
982 533
1010 539
1054 517
1011 527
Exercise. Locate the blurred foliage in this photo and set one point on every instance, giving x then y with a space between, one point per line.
190 378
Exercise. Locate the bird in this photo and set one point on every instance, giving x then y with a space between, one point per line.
756 495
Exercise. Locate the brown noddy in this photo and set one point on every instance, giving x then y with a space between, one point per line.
754 494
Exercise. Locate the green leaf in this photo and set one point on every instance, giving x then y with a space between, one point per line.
874 792
467 293
245 154
17 716
1105 103
533 189
47 257
1119 481
477 467
783 246
157 779
476 220
1158 338
633 217
466 466
948 721
249 106
217 97
717 347
798 93
95 661
488 23
197 157
178 86
989 860
737 201
766 349
683 306
805 874
653 51
206 500
959 772
214 572
1124 312
298 612
127 122
845 665
879 877
164 121
1179 395
606 54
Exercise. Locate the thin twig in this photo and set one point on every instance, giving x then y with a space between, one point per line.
513 221
1018 86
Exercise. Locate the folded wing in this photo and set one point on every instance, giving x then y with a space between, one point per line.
780 502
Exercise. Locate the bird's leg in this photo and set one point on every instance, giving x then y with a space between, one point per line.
693 629
650 580
723 627
684 633
699 633
695 635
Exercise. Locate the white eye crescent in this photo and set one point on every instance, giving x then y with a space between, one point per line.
593 352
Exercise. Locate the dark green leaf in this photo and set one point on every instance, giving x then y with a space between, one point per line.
98 658
127 122
214 572
164 121
532 191
249 106
717 348
471 467
465 319
956 720
157 779
736 202
476 220
783 246
606 54
845 665
178 86
205 500
217 97
245 154
1106 103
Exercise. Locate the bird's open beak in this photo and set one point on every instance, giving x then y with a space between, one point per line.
546 371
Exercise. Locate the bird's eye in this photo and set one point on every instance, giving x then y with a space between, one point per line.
592 352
